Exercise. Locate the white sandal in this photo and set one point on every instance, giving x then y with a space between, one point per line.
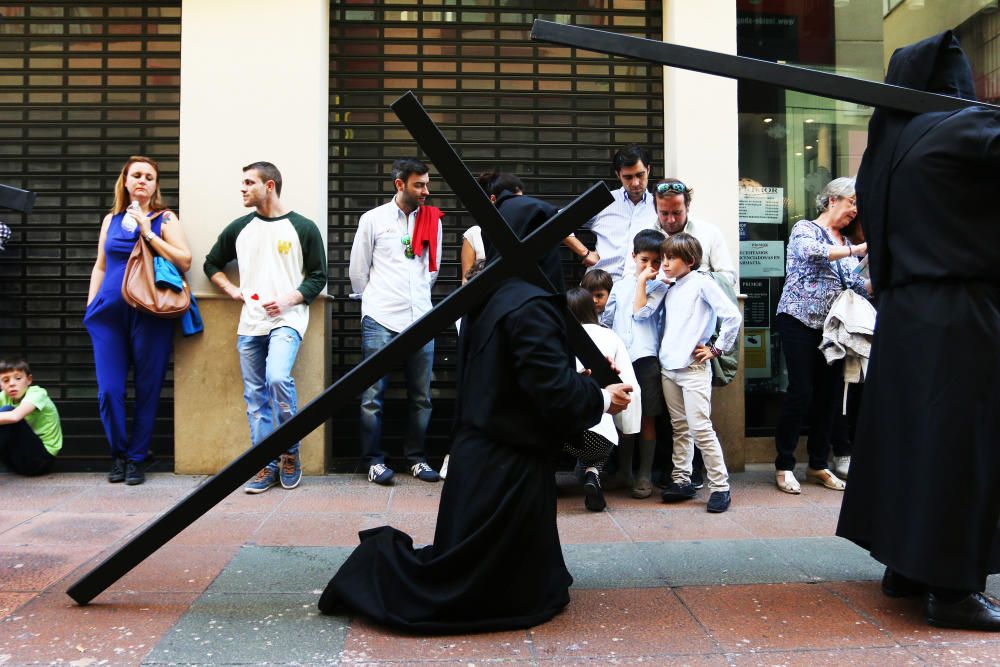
785 479
825 478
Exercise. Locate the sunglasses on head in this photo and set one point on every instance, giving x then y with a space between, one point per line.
677 188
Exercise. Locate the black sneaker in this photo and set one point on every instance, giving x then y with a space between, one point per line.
117 472
719 502
675 492
593 496
134 474
697 479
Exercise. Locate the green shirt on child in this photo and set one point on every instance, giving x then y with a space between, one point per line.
43 420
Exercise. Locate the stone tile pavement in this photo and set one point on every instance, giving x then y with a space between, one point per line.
764 584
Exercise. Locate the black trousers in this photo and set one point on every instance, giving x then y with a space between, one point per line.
814 394
22 451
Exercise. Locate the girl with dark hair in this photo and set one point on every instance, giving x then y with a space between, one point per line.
596 443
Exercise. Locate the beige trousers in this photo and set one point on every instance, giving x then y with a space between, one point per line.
688 393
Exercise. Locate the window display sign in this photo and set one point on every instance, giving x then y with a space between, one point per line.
762 205
757 309
762 259
757 353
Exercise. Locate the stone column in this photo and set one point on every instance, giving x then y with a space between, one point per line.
254 86
701 147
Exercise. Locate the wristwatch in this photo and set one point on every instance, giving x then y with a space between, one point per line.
149 236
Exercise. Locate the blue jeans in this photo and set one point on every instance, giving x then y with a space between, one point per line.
268 387
417 368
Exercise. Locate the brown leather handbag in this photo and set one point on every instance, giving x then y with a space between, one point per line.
139 287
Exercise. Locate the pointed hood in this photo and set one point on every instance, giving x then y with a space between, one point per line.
935 65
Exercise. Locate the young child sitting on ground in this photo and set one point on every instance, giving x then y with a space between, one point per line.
635 312
692 305
30 432
599 284
599 440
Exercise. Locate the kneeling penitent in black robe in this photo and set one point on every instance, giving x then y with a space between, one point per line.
924 489
496 562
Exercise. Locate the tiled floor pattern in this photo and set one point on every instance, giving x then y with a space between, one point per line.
764 584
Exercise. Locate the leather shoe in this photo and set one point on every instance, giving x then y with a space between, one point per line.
134 474
675 492
973 612
117 472
895 585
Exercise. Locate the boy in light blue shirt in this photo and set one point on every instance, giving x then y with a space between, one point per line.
635 312
692 307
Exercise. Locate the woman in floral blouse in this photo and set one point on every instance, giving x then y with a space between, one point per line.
820 265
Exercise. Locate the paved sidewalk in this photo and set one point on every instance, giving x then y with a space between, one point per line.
763 584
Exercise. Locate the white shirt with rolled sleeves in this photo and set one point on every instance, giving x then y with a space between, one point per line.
616 226
715 252
691 307
395 289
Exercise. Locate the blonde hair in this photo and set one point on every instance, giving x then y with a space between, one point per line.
122 199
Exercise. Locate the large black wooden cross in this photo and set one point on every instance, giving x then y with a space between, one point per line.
802 79
518 258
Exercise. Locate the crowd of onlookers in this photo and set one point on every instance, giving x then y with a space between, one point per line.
658 298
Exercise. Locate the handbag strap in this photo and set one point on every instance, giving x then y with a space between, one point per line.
836 262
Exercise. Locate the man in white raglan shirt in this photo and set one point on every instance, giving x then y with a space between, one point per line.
282 261
394 262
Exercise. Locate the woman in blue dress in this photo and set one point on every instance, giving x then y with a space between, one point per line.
124 337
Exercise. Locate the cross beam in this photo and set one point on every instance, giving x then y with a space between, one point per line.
476 202
802 79
517 259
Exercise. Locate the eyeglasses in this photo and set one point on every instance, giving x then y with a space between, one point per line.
407 247
677 188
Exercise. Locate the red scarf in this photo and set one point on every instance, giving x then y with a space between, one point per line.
425 231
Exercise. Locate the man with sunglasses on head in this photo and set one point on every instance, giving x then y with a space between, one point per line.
394 263
616 225
672 200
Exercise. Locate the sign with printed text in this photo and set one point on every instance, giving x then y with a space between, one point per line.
757 308
762 205
762 259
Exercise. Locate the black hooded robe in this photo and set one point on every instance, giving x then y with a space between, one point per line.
496 562
924 489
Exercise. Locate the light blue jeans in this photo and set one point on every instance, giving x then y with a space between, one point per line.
417 369
268 386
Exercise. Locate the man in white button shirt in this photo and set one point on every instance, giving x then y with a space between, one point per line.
615 226
394 263
673 201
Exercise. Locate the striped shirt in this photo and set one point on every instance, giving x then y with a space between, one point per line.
614 228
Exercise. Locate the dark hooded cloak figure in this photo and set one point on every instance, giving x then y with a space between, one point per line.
924 490
496 562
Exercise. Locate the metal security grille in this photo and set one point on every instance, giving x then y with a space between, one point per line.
82 87
552 115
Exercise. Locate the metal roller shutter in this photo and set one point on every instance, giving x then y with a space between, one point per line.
550 114
82 87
